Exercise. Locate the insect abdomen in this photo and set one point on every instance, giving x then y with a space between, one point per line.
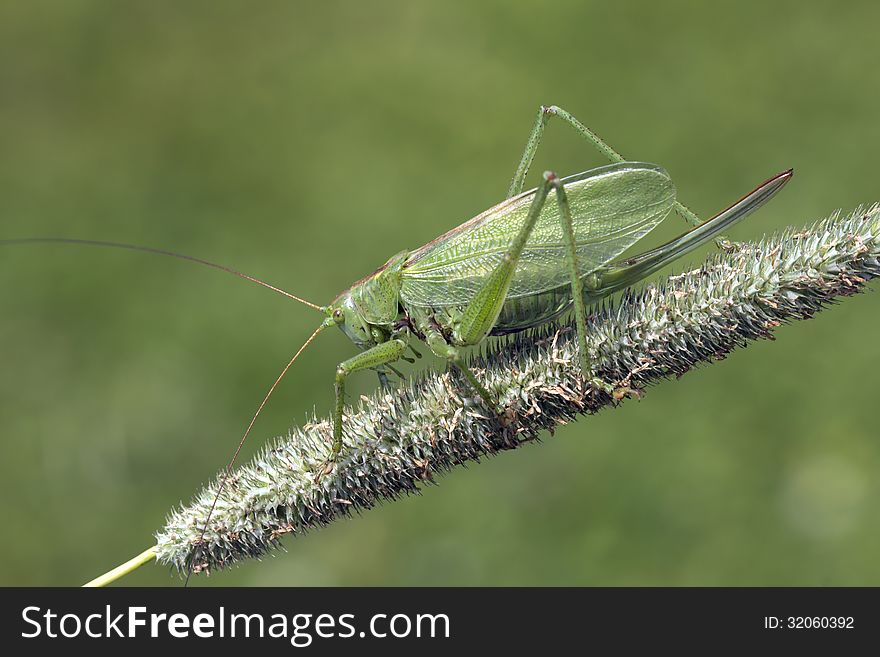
525 312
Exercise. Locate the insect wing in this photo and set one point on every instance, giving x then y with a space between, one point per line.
612 208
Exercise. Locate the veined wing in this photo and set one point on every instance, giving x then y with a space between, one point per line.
612 208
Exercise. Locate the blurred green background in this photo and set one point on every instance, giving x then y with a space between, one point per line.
305 143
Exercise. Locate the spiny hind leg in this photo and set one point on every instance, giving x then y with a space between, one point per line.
577 285
544 115
480 314
577 295
378 356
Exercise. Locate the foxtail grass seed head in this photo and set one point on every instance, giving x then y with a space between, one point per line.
396 442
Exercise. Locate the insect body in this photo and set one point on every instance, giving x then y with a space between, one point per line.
520 264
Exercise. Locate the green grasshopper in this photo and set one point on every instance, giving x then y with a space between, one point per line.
518 265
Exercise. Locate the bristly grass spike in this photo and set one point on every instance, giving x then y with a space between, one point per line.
520 264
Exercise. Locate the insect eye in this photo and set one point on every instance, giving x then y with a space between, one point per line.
337 315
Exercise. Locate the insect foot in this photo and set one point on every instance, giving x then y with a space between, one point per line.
623 392
326 467
616 392
507 417
729 246
600 385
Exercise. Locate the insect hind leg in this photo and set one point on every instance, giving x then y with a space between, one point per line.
577 285
544 115
577 294
481 313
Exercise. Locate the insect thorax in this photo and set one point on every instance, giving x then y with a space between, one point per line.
377 297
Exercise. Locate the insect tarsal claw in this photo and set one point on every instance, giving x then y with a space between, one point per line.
729 246
625 391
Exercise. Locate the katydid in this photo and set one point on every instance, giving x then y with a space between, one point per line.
520 264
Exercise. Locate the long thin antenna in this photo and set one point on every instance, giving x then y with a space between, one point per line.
149 249
228 471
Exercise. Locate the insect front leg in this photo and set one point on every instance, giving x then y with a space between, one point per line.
377 356
384 383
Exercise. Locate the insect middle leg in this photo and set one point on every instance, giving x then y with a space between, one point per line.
544 115
384 383
443 349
